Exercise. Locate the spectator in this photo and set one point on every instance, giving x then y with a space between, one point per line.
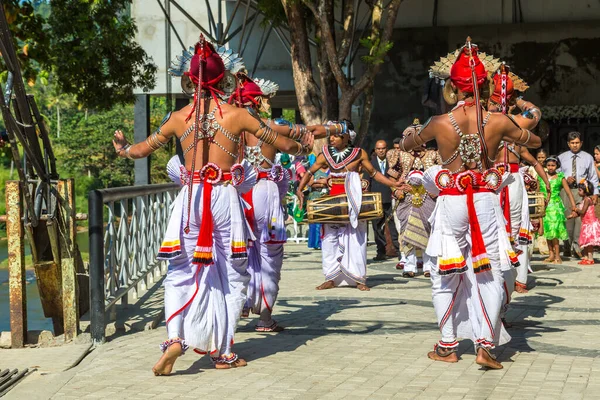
590 230
318 187
597 159
576 166
396 143
380 163
555 220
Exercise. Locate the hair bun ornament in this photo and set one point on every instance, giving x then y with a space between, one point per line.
231 62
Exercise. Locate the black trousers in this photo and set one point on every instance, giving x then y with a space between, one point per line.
380 232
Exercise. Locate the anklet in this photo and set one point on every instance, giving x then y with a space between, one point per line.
229 359
167 343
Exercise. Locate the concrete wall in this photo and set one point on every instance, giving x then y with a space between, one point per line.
561 63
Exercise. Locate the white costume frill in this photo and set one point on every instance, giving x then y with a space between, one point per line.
515 206
344 246
265 255
206 282
471 249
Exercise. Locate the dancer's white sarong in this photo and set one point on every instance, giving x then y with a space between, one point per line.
265 255
467 304
521 228
203 303
344 246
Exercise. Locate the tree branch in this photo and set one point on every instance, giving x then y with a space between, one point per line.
348 25
388 30
307 91
329 43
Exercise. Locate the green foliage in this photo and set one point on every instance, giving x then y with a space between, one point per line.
85 148
289 114
87 45
273 12
377 50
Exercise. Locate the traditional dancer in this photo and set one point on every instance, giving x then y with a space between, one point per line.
468 236
206 238
513 197
265 214
413 204
344 246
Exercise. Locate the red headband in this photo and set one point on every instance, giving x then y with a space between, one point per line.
503 89
460 73
213 68
246 92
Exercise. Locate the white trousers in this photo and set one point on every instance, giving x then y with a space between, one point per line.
203 303
468 305
344 251
266 253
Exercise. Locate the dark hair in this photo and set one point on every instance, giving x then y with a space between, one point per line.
597 147
573 135
398 140
553 159
541 151
587 187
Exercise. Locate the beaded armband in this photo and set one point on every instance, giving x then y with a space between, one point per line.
282 122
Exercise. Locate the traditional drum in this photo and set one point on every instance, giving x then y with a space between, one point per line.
334 209
537 205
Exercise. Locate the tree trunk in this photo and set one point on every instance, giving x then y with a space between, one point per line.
346 105
307 92
367 110
329 87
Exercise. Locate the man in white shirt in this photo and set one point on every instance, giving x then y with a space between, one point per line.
576 165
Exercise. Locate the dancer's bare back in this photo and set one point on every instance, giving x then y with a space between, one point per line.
498 127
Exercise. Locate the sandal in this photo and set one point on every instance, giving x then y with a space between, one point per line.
271 328
229 361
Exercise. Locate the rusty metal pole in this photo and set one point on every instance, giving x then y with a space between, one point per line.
16 265
67 239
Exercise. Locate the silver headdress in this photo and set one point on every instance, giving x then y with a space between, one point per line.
268 88
232 61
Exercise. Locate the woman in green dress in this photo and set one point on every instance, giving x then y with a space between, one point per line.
555 228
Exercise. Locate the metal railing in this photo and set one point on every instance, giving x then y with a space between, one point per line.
126 227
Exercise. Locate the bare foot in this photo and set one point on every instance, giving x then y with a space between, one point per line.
549 259
451 358
426 274
164 366
557 260
362 287
326 285
485 360
520 288
240 362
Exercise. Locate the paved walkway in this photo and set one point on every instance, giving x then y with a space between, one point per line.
343 343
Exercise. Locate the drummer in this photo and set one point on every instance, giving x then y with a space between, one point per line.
341 266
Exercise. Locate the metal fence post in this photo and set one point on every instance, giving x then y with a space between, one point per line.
96 237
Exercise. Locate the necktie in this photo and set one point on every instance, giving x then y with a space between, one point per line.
382 166
574 167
